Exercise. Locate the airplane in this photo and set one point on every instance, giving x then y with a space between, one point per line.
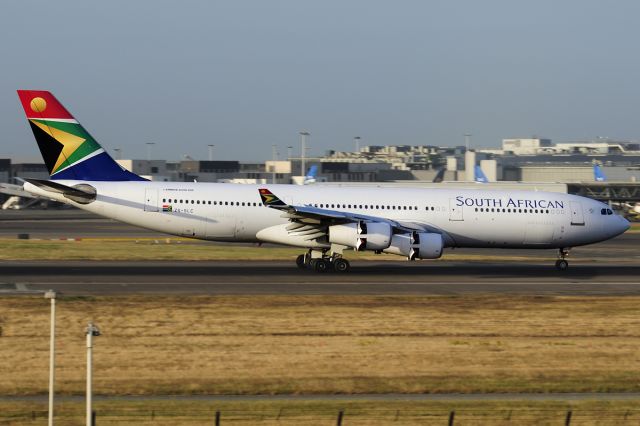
480 177
311 175
598 174
17 195
325 221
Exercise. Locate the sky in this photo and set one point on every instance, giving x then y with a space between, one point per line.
245 75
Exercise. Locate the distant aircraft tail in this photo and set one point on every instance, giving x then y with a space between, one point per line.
598 174
311 175
68 150
480 176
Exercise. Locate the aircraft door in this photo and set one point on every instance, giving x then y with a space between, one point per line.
577 218
455 211
150 200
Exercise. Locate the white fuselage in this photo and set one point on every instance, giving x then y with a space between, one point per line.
465 217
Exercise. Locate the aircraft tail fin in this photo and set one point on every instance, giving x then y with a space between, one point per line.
68 150
480 176
598 174
311 175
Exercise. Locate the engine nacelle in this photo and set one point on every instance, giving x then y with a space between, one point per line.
362 235
417 245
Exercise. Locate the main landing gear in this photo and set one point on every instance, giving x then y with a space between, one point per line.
324 263
561 263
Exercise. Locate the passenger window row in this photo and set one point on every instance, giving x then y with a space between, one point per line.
215 203
320 205
498 210
363 206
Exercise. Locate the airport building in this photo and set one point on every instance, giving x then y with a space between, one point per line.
518 159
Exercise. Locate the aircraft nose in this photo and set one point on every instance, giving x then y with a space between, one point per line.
621 225
625 223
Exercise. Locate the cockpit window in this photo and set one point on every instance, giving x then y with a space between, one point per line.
606 212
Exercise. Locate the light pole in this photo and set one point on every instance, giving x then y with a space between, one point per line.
289 152
91 331
274 153
467 140
303 150
117 151
149 145
211 151
356 140
50 294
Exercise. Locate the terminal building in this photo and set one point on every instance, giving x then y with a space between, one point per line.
524 160
519 159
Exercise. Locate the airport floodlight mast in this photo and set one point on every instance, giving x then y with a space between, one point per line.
117 151
274 153
91 331
149 145
289 152
303 151
211 151
356 140
50 294
467 141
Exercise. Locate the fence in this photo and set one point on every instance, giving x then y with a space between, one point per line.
347 417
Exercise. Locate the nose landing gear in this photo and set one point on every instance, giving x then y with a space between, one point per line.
561 263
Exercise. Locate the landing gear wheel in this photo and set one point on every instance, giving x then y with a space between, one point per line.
341 265
320 265
562 265
300 261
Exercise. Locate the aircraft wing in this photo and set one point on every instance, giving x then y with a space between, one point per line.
320 216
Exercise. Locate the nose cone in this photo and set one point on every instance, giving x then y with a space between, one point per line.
620 226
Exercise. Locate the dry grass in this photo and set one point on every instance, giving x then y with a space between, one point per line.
362 413
326 344
141 249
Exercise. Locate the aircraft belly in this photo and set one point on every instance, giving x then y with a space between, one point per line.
476 232
220 227
539 233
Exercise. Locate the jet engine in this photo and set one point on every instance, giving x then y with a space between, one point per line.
416 245
361 235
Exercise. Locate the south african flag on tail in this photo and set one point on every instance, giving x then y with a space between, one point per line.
270 199
68 150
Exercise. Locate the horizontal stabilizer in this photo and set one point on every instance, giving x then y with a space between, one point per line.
83 193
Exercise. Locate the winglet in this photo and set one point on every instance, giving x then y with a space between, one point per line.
270 199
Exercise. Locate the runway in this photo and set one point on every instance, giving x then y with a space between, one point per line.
613 269
273 278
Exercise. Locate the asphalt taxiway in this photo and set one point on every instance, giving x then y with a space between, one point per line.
613 268
366 277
